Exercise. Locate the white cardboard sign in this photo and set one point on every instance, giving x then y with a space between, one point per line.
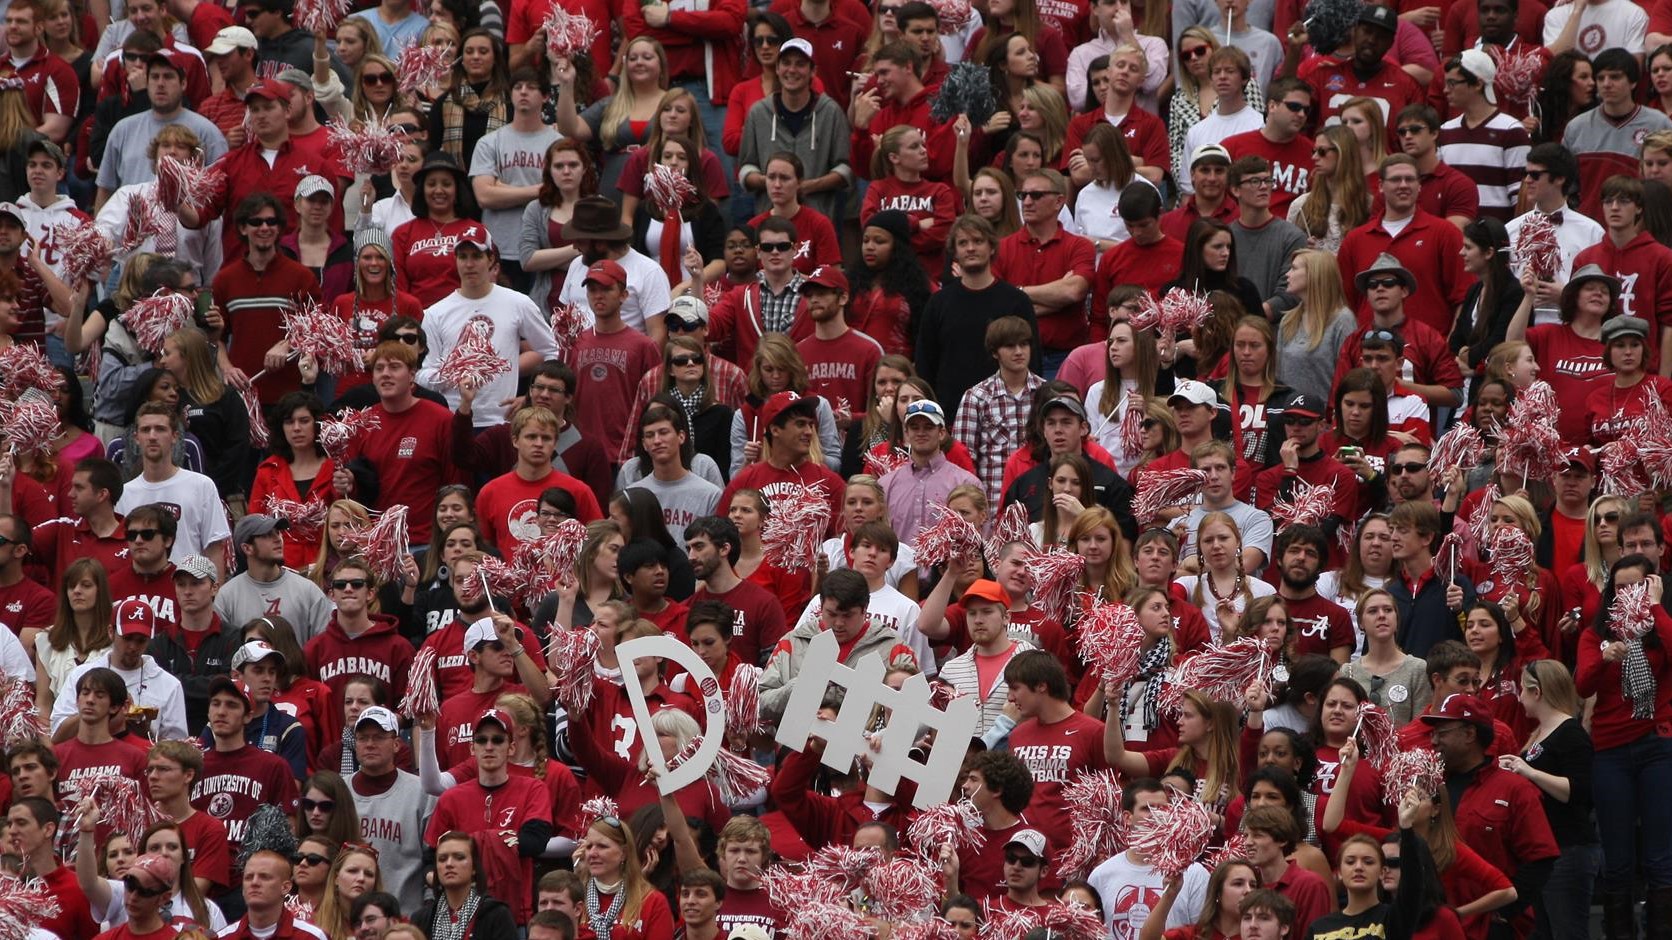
714 719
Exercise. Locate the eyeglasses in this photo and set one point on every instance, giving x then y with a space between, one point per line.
323 806
1457 82
1394 469
377 78
1030 194
1295 107
548 389
549 514
266 221
775 247
134 887
691 360
491 739
768 41
187 288
411 339
1190 55
1410 129
142 535
312 858
344 584
1258 182
1025 861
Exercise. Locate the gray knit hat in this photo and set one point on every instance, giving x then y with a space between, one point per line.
378 239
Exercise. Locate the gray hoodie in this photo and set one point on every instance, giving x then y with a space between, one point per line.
777 681
822 146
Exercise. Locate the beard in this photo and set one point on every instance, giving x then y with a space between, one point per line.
1302 583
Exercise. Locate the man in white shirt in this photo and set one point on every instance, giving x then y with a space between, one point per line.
156 700
511 319
1130 886
191 495
1553 171
1594 25
875 548
1228 71
1217 460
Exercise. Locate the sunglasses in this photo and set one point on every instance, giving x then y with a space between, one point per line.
312 858
490 739
134 887
377 78
408 129
323 806
691 360
1394 469
1392 863
774 247
411 339
142 535
6 541
1537 174
1028 195
1190 55
1295 107
266 221
1026 861
610 821
768 41
678 324
344 584
1410 129
1387 283
1322 151
1609 517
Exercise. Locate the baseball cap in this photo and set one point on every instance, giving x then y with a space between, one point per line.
270 89
297 77
196 566
1481 66
159 870
797 45
1302 405
498 716
134 617
828 276
1031 839
1460 707
785 401
479 632
230 38
987 589
1374 14
1209 152
313 186
606 273
1194 392
1583 456
924 408
257 524
1065 401
235 686
47 147
477 237
690 309
380 716
169 58
253 652
12 209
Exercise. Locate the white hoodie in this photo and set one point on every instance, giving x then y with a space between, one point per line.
39 221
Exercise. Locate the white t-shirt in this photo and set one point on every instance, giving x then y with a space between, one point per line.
905 561
1254 524
195 502
515 319
1130 891
647 290
1607 25
1211 130
1210 607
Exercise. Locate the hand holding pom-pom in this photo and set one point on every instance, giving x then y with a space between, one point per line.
473 360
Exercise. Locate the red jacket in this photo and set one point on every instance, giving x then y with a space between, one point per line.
1430 248
1611 722
700 43
610 773
273 480
825 820
1644 267
1501 816
735 327
942 139
380 652
247 173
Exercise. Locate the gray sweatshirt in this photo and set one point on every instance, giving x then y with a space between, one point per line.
822 146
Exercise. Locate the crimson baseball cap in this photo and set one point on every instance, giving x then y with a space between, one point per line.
1460 707
606 273
498 716
270 89
987 590
828 276
1583 456
234 685
134 617
783 403
159 870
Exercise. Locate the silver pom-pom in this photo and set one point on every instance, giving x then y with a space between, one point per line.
968 89
1330 22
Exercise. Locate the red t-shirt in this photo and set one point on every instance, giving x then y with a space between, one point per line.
1054 753
839 370
981 869
1320 625
750 906
508 506
1151 267
607 370
364 317
26 604
412 453
453 675
126 932
456 725
205 839
1146 135
773 482
1291 164
1611 411
1573 366
471 807
77 761
758 621
424 255
157 590
234 783
1336 82
924 199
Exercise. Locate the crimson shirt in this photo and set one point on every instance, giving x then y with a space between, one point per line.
839 370
424 256
234 783
1572 364
757 620
819 245
507 508
1321 625
1334 82
255 303
412 454
26 605
1644 267
1025 261
1054 753
77 760
1430 248
924 199
1146 135
1291 164
1611 411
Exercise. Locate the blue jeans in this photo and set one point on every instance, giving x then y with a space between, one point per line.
1567 895
1051 360
1629 787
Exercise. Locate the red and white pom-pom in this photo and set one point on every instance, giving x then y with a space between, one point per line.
1183 311
123 803
336 433
473 361
1536 247
568 320
152 320
1512 555
1096 822
83 249
596 808
889 460
1148 315
1237 847
1132 431
1111 641
934 928
790 887
1419 768
383 543
20 714
743 700
1449 556
1530 450
1479 523
368 148
568 34
314 331
422 697
23 367
571 655
737 778
1376 730
1173 836
148 217
321 16
24 905
956 824
184 182
257 418
1164 489
1054 575
421 66
949 536
795 529
822 920
903 888
1071 922
1632 614
31 423
550 559
1223 673
843 865
1009 924
1308 505
943 694
1621 467
306 518
498 577
1520 74
1458 449
667 189
1012 526
952 15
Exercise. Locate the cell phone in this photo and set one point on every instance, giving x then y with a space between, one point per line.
1346 452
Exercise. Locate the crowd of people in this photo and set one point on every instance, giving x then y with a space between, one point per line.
1015 265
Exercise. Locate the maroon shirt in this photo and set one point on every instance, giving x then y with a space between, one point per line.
1320 625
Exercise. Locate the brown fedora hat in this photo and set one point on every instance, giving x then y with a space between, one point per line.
597 217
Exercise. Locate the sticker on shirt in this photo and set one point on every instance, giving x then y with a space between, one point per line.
1397 694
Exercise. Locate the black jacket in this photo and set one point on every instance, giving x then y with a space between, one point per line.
214 658
1112 492
493 920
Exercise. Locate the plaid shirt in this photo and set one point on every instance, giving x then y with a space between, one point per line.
731 387
992 424
778 310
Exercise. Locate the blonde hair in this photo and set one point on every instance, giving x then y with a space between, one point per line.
321 573
201 381
1053 111
1373 117
1121 575
1196 593
632 874
620 104
1596 565
333 909
1323 298
1343 189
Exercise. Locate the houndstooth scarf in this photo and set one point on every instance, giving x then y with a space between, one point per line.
1152 669
1637 681
601 922
448 926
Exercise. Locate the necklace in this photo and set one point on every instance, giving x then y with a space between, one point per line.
1236 586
